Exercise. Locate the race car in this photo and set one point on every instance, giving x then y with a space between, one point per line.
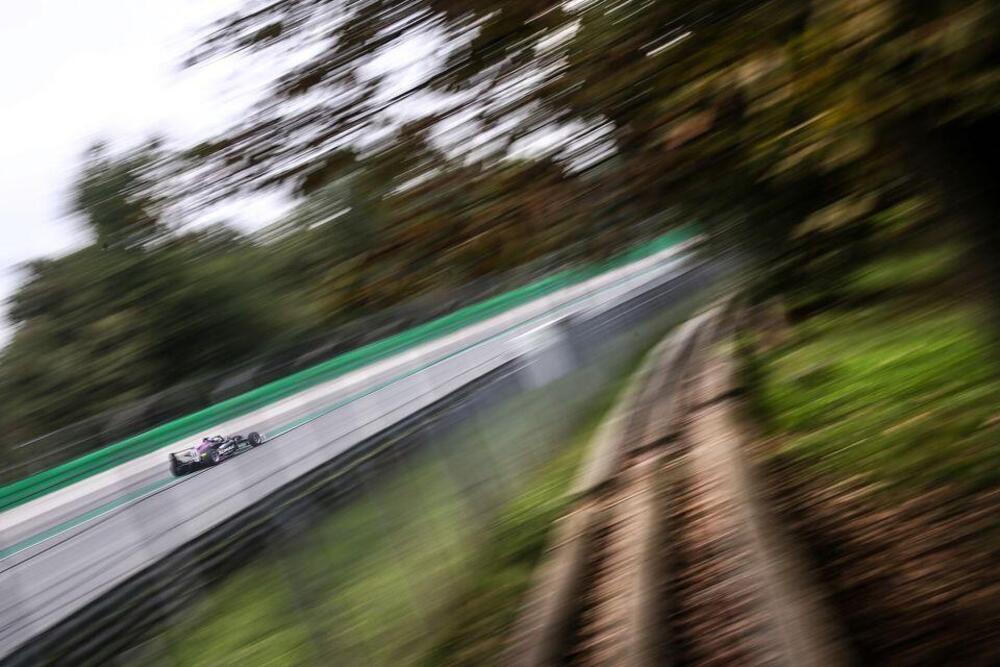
211 451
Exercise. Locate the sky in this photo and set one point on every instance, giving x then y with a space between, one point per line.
72 72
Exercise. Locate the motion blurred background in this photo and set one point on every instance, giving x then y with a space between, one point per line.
428 153
314 175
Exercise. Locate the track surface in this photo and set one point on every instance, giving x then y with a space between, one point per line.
61 552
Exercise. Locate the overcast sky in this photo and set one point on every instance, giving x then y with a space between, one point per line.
72 71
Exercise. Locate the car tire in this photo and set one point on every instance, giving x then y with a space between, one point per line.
255 438
214 457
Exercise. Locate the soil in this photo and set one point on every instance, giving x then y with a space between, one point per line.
916 581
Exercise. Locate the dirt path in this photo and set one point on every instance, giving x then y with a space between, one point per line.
678 558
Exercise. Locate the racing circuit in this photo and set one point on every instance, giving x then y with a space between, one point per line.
66 549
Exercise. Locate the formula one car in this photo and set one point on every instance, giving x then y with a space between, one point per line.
211 451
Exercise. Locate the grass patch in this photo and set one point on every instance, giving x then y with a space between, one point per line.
475 631
899 390
478 624
922 267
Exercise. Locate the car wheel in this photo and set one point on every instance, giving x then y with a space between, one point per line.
255 438
214 457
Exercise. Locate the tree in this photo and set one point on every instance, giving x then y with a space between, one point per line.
116 195
779 123
134 312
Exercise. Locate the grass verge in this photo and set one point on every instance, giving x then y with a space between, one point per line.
901 388
476 629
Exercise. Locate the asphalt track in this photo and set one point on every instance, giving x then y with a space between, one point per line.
40 519
65 550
